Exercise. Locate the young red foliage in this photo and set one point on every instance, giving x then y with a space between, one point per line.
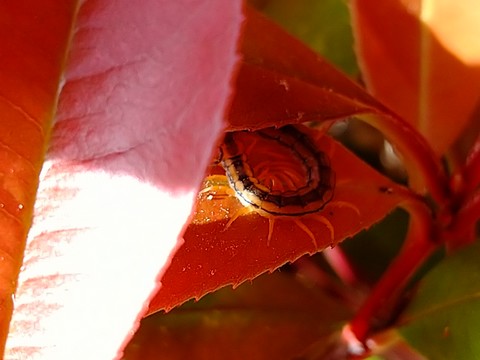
280 82
293 84
215 255
278 85
272 87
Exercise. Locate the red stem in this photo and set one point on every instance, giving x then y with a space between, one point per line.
339 262
418 246
462 230
472 168
424 168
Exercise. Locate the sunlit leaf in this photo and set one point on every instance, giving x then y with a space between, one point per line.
442 321
141 106
422 59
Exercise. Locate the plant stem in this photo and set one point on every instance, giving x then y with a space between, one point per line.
418 246
472 168
424 168
462 230
339 263
310 271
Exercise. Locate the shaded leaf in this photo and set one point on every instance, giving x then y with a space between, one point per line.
422 59
142 105
442 321
215 255
370 252
275 317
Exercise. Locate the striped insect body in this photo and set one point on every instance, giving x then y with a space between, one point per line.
278 173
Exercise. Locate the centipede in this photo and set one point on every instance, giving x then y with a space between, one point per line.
295 193
276 172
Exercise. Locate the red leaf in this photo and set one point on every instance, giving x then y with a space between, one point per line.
215 255
422 60
281 81
289 83
143 101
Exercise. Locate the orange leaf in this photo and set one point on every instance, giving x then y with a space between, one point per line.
34 37
422 59
215 255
